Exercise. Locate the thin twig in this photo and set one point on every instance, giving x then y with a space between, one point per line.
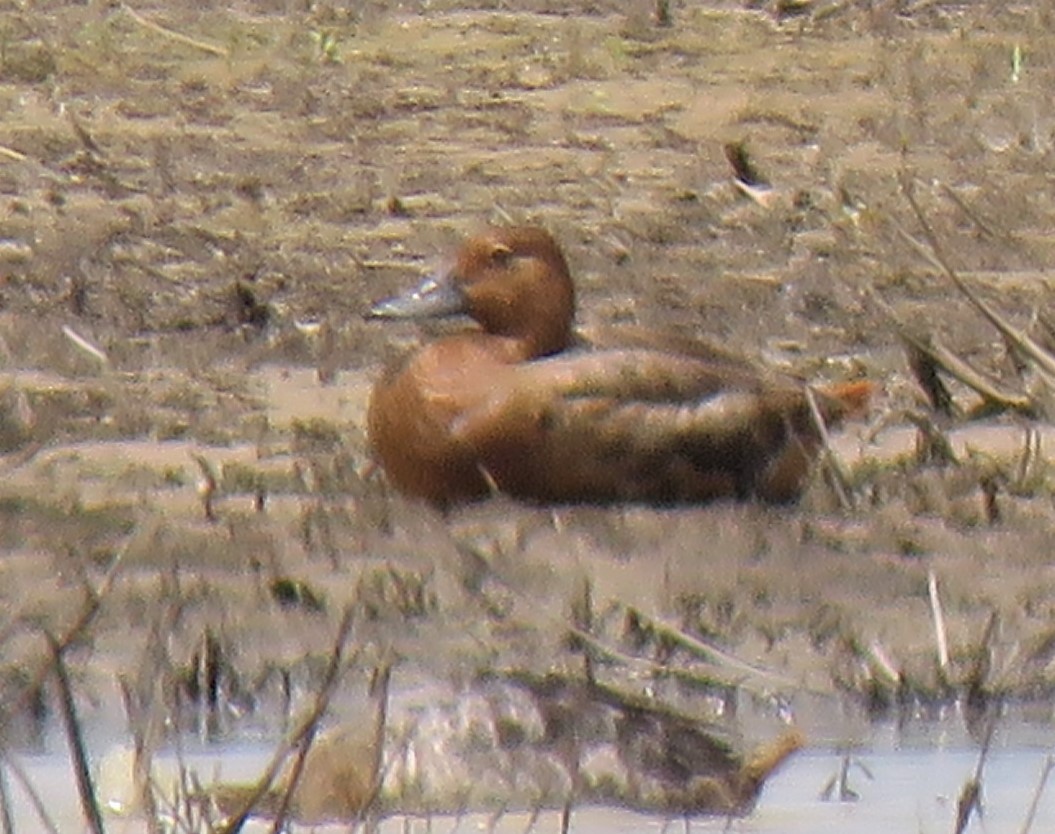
175 36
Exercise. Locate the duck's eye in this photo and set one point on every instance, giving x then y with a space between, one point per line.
501 254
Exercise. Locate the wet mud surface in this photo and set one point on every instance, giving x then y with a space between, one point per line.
194 218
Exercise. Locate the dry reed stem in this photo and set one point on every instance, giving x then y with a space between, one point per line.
173 35
927 373
710 653
961 371
27 787
932 443
143 743
970 800
840 481
582 617
1049 765
379 689
949 362
75 738
88 612
300 740
981 668
7 822
592 646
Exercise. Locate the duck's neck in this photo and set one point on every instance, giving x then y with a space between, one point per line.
516 349
541 323
551 336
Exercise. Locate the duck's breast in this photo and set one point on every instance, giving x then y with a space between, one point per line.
412 413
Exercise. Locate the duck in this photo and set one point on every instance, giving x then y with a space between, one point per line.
515 403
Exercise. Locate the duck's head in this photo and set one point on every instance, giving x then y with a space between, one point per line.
514 281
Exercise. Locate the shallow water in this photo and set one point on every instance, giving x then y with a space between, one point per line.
906 781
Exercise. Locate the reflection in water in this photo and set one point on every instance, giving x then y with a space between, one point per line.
913 789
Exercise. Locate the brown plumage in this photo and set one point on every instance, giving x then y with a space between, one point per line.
515 406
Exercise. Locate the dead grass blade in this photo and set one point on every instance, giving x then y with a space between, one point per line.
707 652
85 346
986 227
938 615
935 254
605 654
208 485
944 359
174 36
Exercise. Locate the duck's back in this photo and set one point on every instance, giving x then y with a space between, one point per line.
640 425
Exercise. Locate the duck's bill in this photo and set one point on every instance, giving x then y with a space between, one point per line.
438 295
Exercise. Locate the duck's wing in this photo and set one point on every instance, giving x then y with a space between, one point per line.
642 425
631 374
